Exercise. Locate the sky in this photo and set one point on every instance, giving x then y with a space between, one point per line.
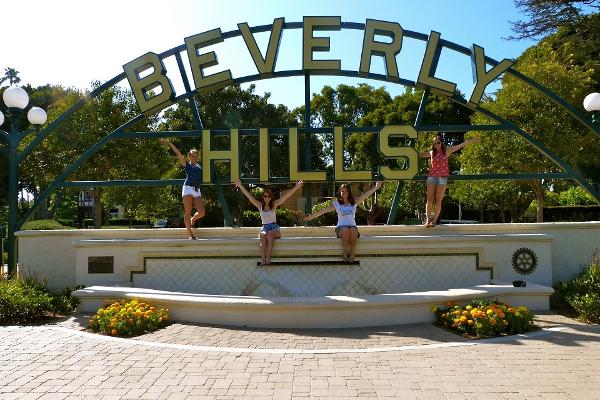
72 43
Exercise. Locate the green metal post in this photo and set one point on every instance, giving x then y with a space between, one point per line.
307 143
13 176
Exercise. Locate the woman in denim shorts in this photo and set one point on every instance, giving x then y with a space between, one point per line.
437 179
346 229
190 193
266 207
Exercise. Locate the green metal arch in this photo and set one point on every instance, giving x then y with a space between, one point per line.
60 180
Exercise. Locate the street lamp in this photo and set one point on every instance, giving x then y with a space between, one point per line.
592 103
16 99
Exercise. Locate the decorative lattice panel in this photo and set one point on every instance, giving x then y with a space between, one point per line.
374 275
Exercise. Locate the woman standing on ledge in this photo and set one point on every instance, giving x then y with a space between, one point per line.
266 207
346 229
191 188
437 179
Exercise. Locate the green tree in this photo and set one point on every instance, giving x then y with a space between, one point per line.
555 63
121 159
11 75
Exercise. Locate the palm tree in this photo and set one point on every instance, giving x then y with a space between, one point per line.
11 75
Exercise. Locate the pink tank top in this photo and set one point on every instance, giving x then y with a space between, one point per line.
439 165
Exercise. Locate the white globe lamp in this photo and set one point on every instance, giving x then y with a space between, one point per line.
15 97
37 116
592 102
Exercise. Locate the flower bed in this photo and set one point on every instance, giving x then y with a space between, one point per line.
482 319
128 318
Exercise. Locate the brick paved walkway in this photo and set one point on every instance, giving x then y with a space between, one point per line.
187 361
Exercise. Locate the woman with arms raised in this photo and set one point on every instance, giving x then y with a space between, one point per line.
267 207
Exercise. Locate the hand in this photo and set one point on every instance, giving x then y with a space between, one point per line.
307 218
237 183
299 183
476 139
378 185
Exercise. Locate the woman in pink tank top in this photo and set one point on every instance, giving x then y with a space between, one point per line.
437 179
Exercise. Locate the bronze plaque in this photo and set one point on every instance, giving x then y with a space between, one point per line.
101 265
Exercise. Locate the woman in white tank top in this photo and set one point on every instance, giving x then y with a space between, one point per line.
267 206
346 229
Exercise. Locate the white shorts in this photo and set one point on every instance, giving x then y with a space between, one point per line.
190 191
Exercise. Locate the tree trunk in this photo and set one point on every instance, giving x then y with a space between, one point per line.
538 189
58 199
502 217
97 196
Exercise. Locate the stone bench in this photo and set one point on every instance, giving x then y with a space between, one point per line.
314 312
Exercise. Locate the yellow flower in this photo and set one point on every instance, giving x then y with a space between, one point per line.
433 308
489 312
468 307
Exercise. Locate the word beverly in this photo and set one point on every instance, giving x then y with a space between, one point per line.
146 73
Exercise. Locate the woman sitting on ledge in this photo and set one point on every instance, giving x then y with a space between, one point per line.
346 229
266 207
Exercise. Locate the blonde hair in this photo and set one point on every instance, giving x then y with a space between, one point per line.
192 151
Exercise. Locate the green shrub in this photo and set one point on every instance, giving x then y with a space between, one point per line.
66 222
481 319
582 293
42 225
27 299
124 318
125 222
326 219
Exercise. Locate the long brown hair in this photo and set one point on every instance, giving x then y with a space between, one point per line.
350 195
438 137
262 200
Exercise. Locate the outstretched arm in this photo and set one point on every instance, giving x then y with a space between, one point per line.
251 198
425 154
320 212
180 156
369 192
452 149
287 195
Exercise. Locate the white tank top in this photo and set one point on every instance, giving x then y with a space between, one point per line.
345 213
268 217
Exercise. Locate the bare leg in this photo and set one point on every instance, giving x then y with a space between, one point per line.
345 243
271 236
187 213
353 240
439 196
263 248
200 211
428 205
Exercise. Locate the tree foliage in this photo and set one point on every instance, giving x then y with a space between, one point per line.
558 63
544 17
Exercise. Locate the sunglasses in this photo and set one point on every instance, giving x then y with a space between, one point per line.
266 196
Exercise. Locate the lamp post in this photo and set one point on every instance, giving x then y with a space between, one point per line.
16 99
592 103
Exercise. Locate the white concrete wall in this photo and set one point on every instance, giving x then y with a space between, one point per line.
562 248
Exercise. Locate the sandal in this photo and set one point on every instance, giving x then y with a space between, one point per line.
192 238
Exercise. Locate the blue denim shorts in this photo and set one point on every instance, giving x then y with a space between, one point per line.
338 230
269 227
437 180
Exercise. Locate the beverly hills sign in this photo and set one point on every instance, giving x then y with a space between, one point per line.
154 91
